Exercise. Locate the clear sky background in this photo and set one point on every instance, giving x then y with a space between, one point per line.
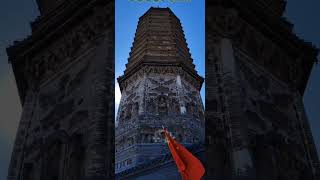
15 16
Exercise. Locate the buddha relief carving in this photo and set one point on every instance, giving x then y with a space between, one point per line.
151 108
175 107
162 105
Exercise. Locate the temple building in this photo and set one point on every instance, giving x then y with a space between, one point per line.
160 88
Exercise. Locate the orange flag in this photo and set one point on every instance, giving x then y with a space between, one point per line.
189 166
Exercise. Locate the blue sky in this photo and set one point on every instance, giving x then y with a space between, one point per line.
15 16
191 15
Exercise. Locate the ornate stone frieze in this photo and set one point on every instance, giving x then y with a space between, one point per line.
273 126
161 70
66 50
275 53
45 57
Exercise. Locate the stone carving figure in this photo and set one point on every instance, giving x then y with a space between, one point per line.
162 105
175 108
151 106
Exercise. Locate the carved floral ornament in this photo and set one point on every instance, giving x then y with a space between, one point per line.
160 98
159 70
68 46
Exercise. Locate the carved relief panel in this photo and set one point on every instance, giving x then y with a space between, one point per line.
273 128
68 47
160 92
61 104
163 97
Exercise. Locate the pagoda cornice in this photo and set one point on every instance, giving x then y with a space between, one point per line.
148 66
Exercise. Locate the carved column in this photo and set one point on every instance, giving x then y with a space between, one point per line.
218 148
142 95
183 109
100 150
234 102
